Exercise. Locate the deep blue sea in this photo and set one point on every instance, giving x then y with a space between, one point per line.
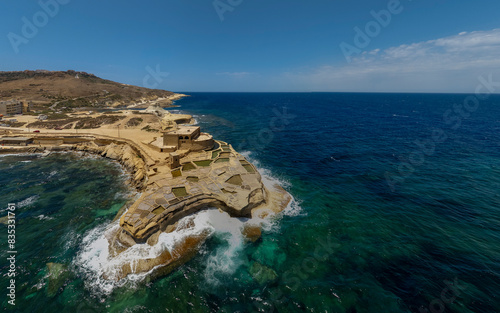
397 209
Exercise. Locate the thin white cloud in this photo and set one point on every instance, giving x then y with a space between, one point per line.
234 74
450 64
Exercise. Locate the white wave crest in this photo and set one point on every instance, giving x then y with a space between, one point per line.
52 174
42 217
96 263
270 180
27 201
224 261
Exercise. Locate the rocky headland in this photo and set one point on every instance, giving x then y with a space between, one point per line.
176 179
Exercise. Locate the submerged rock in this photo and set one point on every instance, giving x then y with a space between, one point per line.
262 274
57 275
164 263
4 220
252 232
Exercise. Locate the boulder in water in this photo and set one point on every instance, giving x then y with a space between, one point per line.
262 274
57 275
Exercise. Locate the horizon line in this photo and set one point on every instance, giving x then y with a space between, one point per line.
365 92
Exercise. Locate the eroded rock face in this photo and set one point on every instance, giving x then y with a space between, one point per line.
222 179
122 153
252 232
163 262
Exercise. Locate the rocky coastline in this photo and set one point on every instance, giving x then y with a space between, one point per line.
235 187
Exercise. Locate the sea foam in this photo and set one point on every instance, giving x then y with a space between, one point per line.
28 201
96 263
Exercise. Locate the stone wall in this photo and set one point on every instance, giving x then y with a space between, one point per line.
202 143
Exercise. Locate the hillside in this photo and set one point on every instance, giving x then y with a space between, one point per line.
70 89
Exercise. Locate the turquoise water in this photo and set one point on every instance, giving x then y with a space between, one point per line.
58 198
352 242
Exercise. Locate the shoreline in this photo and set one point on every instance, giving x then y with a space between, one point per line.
86 143
167 102
143 220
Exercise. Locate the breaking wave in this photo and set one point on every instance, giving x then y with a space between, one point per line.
42 217
96 263
270 180
224 260
28 201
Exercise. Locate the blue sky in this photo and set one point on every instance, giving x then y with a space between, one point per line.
259 45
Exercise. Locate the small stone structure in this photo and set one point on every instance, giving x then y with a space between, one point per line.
16 141
220 178
195 173
185 138
176 137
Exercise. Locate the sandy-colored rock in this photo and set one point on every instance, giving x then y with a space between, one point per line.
153 239
4 220
205 174
139 175
252 232
167 260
